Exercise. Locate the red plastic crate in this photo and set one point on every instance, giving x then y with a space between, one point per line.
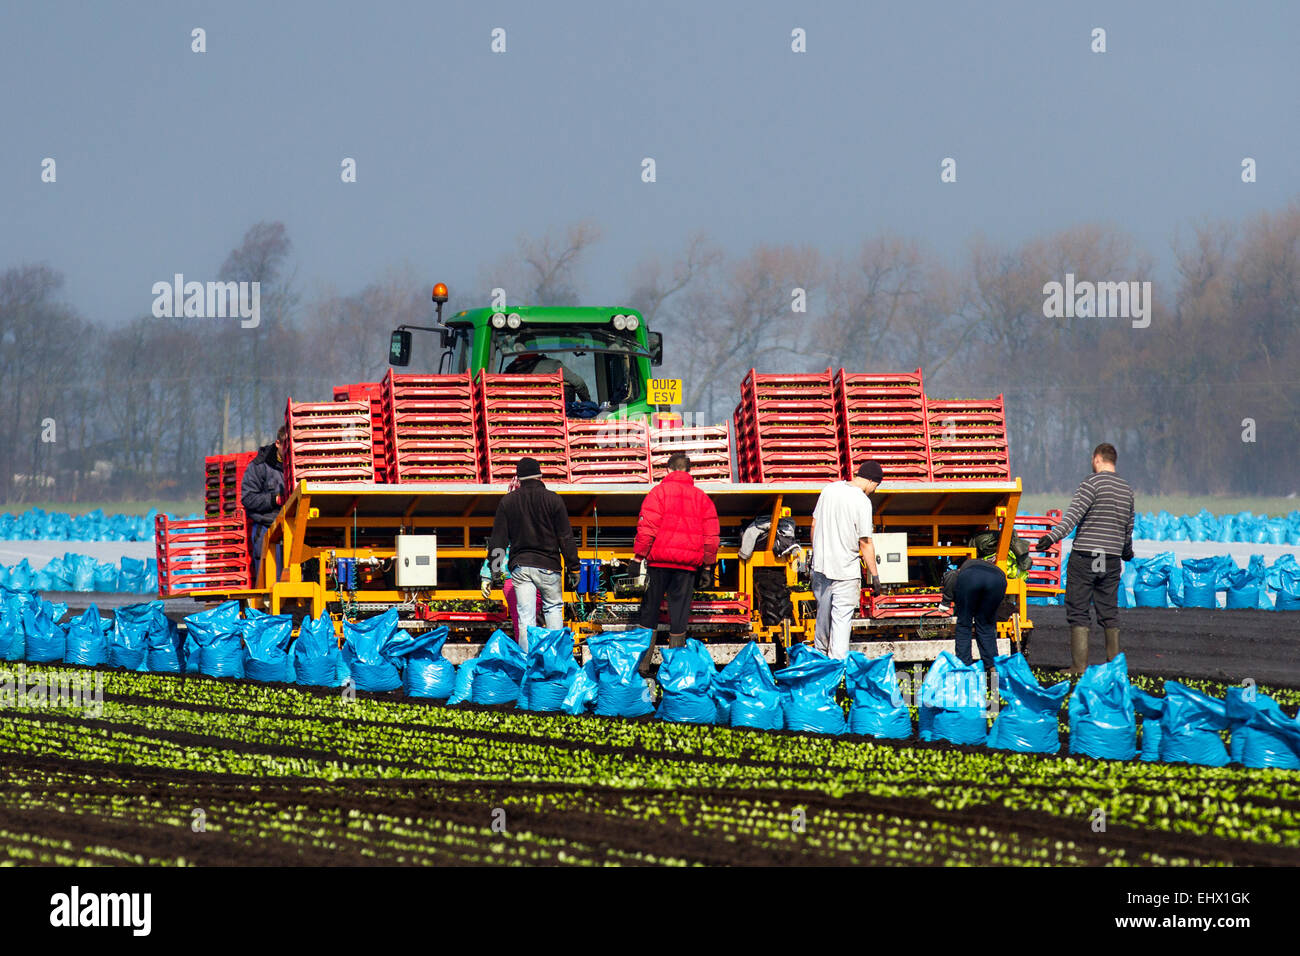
886 606
200 554
1046 567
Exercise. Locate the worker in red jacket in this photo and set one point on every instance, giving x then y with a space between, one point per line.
677 536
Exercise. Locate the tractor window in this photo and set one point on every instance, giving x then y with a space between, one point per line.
599 357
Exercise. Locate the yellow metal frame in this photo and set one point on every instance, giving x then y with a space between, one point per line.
937 509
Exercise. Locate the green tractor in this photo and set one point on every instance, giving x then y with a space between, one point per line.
606 354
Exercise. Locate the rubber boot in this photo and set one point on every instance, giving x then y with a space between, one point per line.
1112 643
676 640
1078 650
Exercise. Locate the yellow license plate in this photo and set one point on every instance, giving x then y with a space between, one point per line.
665 391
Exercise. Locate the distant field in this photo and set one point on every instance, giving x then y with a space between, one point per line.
110 508
1174 504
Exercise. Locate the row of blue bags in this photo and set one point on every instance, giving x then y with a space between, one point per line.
1159 582
80 572
1244 527
34 524
378 656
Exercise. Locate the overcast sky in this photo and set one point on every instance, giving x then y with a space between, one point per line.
165 156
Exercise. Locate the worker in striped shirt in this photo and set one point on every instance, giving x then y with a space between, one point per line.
1102 510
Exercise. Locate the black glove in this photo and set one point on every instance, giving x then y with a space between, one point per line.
1128 552
634 569
704 578
571 581
875 583
1044 543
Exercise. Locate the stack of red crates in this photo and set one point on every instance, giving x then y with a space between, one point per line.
223 475
707 446
1046 568
612 451
373 394
787 429
521 416
328 442
432 431
968 440
200 554
882 417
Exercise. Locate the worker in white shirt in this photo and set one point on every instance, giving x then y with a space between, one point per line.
841 536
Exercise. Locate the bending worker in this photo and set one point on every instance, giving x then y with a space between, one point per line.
1103 511
677 537
975 590
841 536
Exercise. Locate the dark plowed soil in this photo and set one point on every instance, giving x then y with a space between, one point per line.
1208 644
599 827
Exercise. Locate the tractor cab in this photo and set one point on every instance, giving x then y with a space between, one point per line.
604 354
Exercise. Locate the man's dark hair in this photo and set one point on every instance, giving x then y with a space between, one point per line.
1107 452
284 430
678 461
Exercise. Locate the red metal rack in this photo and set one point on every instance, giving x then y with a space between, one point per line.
223 478
787 428
707 446
328 442
432 429
915 604
968 439
200 553
521 416
882 417
373 394
608 452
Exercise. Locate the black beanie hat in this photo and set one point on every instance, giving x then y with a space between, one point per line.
871 471
527 468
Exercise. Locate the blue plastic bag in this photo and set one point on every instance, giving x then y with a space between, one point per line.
1202 580
1127 578
131 577
1149 707
13 633
1246 586
1262 735
1189 727
808 687
47 641
952 701
87 644
427 673
1102 721
213 640
876 705
105 577
549 671
1028 721
317 660
746 692
1284 578
267 640
368 655
686 677
1151 579
621 691
160 634
494 677
581 698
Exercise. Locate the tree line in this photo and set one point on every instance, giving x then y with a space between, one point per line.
1204 399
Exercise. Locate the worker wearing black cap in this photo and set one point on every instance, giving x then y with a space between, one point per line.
841 537
532 527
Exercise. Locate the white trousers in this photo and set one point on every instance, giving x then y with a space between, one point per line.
837 602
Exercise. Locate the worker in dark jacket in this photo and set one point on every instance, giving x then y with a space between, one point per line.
677 537
1102 510
262 493
975 590
531 533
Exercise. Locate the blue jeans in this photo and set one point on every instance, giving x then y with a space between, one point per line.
530 582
